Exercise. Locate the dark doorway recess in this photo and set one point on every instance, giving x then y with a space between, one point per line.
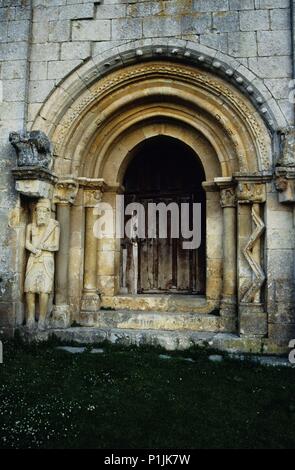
164 170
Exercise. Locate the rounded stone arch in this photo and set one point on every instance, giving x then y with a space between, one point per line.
101 112
121 152
128 86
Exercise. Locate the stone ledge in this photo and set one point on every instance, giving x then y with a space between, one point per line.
176 340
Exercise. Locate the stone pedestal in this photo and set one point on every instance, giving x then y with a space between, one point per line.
252 320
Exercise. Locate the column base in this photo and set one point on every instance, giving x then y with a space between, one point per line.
228 308
90 302
252 320
61 317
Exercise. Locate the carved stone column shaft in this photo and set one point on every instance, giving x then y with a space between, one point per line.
64 195
61 278
90 298
90 257
229 289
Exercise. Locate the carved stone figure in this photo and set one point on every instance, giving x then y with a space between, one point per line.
33 149
287 157
42 240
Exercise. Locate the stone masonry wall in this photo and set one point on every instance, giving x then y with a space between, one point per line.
15 29
67 32
42 41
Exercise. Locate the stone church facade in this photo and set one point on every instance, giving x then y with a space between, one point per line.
159 101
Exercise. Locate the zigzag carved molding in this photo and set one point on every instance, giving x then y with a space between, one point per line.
259 279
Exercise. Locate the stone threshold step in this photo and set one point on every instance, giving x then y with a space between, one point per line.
176 340
159 302
139 320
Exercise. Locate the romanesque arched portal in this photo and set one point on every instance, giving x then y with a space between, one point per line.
95 130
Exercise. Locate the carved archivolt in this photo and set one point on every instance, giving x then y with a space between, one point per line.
259 276
234 104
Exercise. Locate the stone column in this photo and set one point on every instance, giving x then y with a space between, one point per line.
252 315
229 294
64 196
214 249
228 202
90 297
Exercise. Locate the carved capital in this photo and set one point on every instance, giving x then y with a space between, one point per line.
92 197
249 192
228 197
93 189
65 191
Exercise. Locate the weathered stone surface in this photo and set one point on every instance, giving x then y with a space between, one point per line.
167 340
33 149
236 79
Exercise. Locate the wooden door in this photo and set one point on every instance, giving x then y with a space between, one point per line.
164 171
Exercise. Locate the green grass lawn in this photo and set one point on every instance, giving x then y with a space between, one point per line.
131 398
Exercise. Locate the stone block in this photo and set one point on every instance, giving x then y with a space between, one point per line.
270 4
226 22
13 51
12 111
254 20
43 52
210 5
13 69
59 31
43 13
273 43
128 28
14 90
34 188
60 68
280 19
40 89
109 12
161 27
281 333
92 30
276 67
38 71
145 9
75 51
216 41
280 264
176 7
196 24
252 320
242 44
40 32
279 88
241 4
3 31
71 12
18 30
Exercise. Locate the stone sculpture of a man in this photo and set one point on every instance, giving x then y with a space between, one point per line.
42 240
